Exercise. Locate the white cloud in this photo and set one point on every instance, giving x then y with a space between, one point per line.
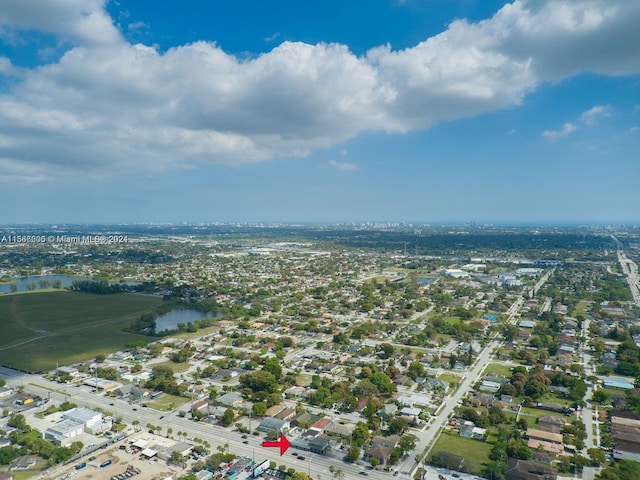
272 38
344 166
598 111
83 21
566 129
109 106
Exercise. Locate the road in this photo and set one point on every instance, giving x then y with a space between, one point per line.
629 270
316 465
429 435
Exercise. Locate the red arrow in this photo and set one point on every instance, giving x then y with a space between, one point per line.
283 443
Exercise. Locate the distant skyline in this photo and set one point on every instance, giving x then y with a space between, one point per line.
434 111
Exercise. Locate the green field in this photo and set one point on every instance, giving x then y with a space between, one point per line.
504 370
475 452
166 402
176 367
39 330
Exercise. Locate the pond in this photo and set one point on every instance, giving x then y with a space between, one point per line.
41 282
170 321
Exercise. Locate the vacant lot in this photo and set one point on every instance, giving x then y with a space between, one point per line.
38 330
475 452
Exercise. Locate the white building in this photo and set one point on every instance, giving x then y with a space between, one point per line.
63 433
75 422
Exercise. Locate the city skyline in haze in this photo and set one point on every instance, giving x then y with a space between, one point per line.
423 111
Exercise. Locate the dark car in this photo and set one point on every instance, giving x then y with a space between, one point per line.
161 417
243 436
245 442
300 457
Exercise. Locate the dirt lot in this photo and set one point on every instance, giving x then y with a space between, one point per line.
120 460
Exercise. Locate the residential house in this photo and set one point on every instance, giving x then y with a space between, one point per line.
625 429
200 406
319 444
286 414
471 431
525 470
273 410
552 449
230 399
271 424
24 462
545 436
550 423
390 442
321 424
379 452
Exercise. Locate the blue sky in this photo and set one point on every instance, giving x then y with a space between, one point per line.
379 110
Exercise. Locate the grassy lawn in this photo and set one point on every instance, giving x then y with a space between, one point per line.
41 329
499 369
532 414
550 397
303 380
452 320
176 367
449 377
581 309
166 402
475 452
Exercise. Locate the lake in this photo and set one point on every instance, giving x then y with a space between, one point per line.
65 281
170 321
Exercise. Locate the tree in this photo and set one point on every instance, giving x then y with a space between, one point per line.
407 443
8 454
360 434
177 459
17 420
100 358
508 331
600 396
537 385
259 409
259 381
398 426
229 415
273 366
353 454
597 456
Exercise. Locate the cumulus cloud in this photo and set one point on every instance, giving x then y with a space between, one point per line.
84 21
110 106
566 129
344 166
594 113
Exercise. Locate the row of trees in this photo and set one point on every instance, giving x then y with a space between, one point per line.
31 441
